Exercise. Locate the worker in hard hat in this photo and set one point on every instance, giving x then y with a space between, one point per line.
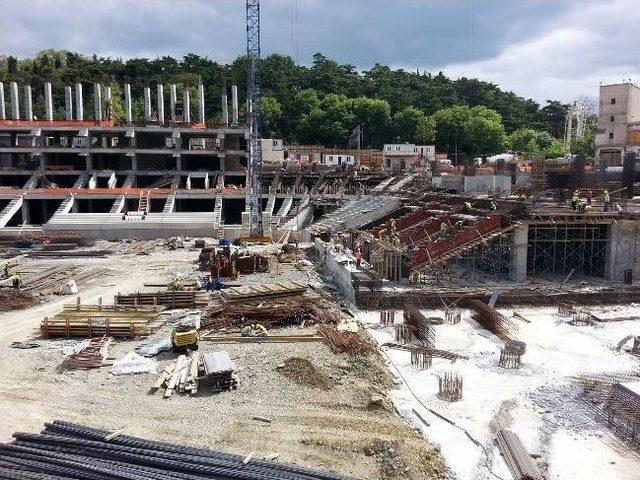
574 199
606 201
247 331
7 264
259 330
17 281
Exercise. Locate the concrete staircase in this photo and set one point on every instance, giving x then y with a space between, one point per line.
282 212
118 204
33 181
82 180
170 204
66 205
10 210
271 203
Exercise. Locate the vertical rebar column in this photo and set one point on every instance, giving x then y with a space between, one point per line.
147 103
79 105
48 102
225 107
160 103
186 105
97 102
201 102
173 98
127 103
108 113
28 103
3 113
15 101
68 103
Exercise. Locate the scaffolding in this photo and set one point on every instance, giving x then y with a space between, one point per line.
576 250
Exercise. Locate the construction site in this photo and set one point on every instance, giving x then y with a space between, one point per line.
172 306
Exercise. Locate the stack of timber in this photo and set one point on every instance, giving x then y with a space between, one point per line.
89 353
171 299
95 320
257 293
49 280
74 452
181 376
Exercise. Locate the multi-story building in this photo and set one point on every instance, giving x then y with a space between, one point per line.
406 156
618 130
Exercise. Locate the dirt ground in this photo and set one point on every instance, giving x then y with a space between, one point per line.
343 424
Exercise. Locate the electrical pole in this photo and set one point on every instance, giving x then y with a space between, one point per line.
254 164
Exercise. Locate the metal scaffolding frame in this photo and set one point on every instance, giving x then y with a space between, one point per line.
564 248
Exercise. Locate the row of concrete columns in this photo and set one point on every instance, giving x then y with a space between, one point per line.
98 103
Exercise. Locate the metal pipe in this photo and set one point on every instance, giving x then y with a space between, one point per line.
97 102
127 104
234 99
48 102
15 103
68 103
108 114
79 104
28 103
160 103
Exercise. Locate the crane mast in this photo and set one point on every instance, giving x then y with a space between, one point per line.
254 163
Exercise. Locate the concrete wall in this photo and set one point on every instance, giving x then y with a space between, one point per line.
623 250
624 111
339 266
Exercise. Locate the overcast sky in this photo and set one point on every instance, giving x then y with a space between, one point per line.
559 49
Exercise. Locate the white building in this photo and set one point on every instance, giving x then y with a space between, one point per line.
618 122
405 156
272 150
336 160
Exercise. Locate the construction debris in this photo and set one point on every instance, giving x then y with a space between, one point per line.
219 372
306 373
12 299
516 456
89 353
133 363
81 452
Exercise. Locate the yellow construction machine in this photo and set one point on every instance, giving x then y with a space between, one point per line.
184 338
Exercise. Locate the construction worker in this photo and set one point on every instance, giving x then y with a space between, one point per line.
358 256
606 201
17 281
493 206
574 200
589 196
7 264
467 207
247 331
259 330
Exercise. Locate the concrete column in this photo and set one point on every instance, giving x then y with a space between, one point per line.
74 206
108 114
147 103
234 100
97 102
48 102
128 117
89 165
222 164
179 163
3 114
28 103
79 104
160 103
134 163
519 254
225 108
68 103
201 102
15 103
173 98
186 105
25 212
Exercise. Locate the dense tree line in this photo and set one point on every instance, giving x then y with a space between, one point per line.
323 103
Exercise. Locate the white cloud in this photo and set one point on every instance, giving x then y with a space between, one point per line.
595 42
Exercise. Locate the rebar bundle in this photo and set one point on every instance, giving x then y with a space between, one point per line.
387 317
450 387
516 456
345 342
75 452
403 333
565 309
492 320
420 327
511 354
452 316
421 358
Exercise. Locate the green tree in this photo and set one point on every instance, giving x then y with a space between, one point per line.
270 115
405 124
426 131
555 150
